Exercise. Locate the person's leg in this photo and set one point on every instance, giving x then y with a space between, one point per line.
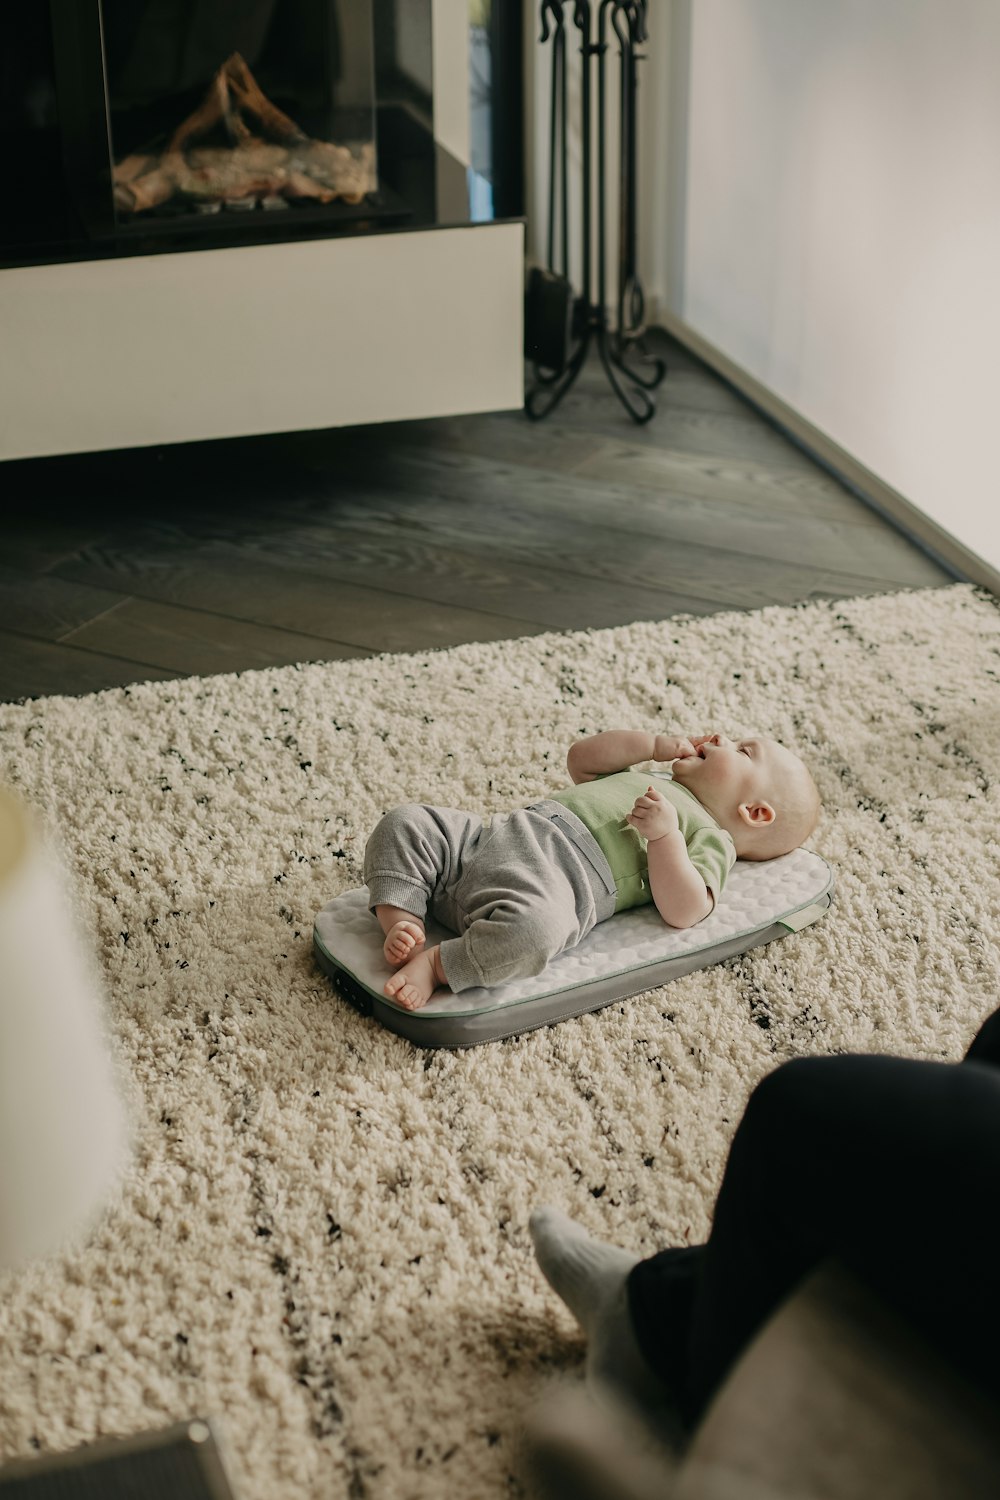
985 1045
884 1163
526 894
507 938
592 1278
518 892
413 859
523 892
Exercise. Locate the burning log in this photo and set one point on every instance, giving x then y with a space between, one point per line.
269 155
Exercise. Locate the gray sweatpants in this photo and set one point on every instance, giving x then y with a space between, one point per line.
517 890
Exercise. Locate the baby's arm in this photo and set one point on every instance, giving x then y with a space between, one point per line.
617 749
679 893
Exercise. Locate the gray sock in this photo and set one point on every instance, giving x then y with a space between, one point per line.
591 1278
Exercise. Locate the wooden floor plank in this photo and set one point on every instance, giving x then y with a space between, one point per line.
48 608
35 533
507 436
198 643
738 436
553 525
502 435
790 492
226 555
573 500
34 669
630 570
356 463
301 588
401 488
328 610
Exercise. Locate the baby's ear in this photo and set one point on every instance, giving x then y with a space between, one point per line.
757 814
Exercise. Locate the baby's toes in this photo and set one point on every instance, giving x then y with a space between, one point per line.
398 946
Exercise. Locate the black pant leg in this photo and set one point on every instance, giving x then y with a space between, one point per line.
985 1046
889 1165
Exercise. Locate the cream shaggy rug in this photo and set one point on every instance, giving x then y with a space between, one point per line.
323 1241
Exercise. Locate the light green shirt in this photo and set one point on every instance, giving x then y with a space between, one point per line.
602 806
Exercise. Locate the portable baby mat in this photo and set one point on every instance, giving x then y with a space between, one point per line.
629 953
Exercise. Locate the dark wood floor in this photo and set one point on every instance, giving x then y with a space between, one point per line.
216 557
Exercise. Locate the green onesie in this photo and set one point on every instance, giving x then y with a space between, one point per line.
602 805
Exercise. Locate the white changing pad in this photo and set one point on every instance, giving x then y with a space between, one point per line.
629 953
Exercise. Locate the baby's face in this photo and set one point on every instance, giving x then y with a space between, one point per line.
724 773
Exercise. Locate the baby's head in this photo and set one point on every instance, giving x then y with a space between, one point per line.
754 788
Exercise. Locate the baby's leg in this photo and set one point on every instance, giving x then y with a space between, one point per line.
526 894
414 856
505 940
404 934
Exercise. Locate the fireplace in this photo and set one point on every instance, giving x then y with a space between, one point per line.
175 111
171 123
329 189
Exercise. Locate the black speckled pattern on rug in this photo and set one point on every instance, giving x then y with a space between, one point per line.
323 1241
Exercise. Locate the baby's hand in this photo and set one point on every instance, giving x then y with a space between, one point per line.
674 747
653 816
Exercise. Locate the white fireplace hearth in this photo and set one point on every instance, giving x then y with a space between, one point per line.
275 337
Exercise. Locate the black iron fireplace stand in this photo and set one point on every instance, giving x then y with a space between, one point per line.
623 343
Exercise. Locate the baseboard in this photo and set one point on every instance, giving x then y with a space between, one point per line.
889 503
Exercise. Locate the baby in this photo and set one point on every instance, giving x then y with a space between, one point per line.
533 882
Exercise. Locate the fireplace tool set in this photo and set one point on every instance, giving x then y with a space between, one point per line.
561 325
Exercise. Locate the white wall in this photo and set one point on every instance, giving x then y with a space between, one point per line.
835 228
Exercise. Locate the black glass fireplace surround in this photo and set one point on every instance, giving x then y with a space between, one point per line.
140 126
175 109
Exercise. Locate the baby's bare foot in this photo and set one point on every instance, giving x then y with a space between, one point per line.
416 981
403 940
